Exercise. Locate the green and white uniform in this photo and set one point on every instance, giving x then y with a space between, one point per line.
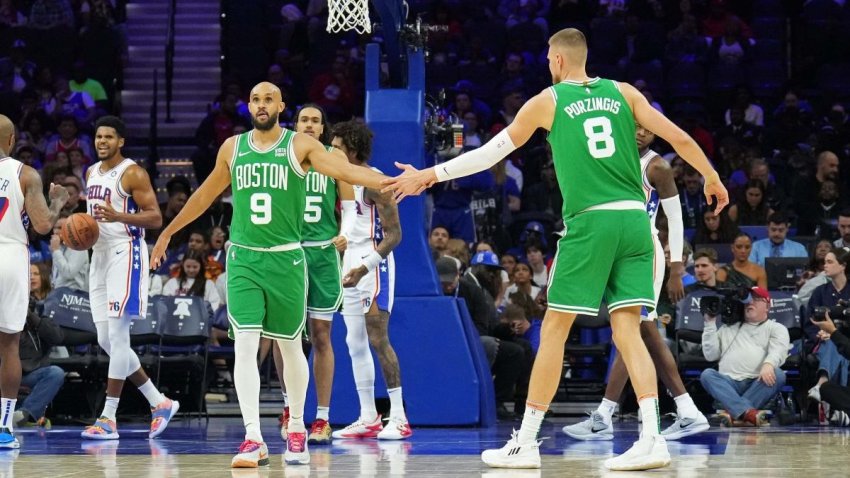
266 270
606 251
324 290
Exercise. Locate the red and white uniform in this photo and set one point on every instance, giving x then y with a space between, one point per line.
118 276
653 204
15 266
365 235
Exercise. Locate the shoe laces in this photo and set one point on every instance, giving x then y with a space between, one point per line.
295 442
249 446
318 426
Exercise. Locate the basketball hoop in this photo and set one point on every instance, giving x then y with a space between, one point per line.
346 15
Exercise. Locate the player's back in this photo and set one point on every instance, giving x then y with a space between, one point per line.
366 233
104 188
12 213
593 145
268 192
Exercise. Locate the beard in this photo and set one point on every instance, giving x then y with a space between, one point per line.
264 125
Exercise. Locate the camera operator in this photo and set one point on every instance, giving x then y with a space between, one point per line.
750 352
836 396
832 366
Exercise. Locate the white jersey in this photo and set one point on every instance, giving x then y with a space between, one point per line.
366 232
653 203
13 217
104 187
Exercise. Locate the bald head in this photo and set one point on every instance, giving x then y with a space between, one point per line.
571 44
827 167
264 88
7 135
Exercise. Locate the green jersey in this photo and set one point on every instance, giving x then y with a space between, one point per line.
593 145
268 193
320 222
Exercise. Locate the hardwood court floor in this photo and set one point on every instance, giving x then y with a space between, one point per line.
195 450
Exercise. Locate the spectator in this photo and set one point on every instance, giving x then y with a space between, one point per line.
39 281
821 221
74 204
705 271
35 132
473 132
521 326
214 129
760 171
68 137
39 250
80 81
78 104
534 253
522 285
43 379
459 250
843 229
191 280
731 48
439 239
684 44
505 358
736 127
776 245
493 208
692 199
752 208
749 373
715 23
715 229
16 72
28 156
178 189
753 113
219 214
832 365
70 267
483 246
452 201
837 396
741 272
334 91
509 262
544 196
806 189
218 239
47 14
814 275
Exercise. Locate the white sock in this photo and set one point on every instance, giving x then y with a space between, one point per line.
361 364
396 403
649 414
531 421
151 393
607 409
322 413
8 412
246 378
285 400
685 406
110 407
296 374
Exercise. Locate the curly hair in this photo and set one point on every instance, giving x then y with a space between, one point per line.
356 137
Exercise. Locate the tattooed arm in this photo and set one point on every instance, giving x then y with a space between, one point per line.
42 216
388 212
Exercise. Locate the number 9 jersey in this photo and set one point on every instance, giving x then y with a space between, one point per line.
268 192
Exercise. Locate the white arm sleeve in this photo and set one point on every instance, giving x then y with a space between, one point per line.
476 160
349 215
676 234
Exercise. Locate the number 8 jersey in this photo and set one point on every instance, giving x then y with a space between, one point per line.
268 192
593 145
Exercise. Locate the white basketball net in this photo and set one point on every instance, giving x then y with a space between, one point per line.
345 15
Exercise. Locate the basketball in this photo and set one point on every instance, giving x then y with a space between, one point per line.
80 232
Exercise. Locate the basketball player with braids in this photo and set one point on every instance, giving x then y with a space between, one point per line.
606 250
324 291
21 204
266 268
369 292
120 197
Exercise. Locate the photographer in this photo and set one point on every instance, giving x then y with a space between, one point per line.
750 350
837 396
832 366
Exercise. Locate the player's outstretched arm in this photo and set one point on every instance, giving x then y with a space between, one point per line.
661 177
391 226
685 146
349 213
42 216
313 153
198 202
138 184
537 112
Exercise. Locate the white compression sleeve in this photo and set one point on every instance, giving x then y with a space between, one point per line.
476 160
349 216
362 364
296 374
246 377
676 235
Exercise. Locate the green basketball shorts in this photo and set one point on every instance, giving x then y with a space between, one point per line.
324 289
